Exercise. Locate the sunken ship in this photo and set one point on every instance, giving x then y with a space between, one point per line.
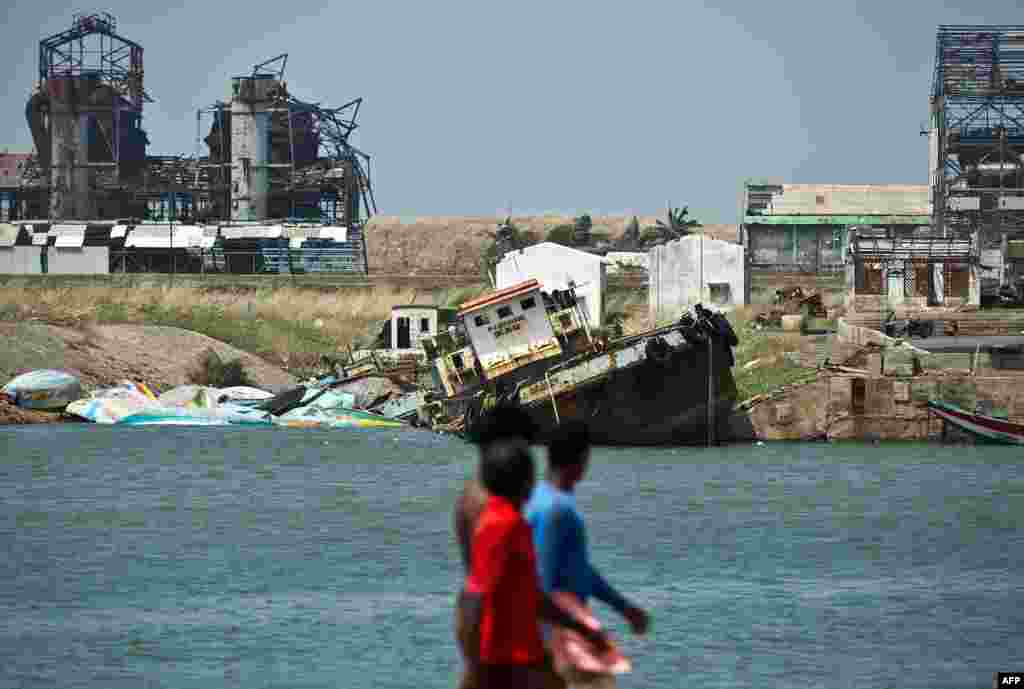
522 345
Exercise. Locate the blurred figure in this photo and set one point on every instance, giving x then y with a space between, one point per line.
502 422
559 535
503 603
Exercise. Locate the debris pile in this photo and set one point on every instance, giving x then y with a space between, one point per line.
362 401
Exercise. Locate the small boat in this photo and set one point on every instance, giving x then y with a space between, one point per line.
986 428
48 390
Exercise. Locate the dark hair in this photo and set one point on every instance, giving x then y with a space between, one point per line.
503 421
569 444
507 468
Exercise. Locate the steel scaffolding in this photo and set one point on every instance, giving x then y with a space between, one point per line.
976 134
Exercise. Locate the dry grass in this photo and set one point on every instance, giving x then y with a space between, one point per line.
289 327
761 365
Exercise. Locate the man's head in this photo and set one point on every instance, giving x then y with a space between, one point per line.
507 469
503 421
569 452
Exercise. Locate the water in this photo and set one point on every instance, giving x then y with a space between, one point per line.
197 558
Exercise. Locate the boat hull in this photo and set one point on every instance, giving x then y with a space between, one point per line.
984 428
647 404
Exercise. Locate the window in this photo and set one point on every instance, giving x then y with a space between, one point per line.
820 199
424 325
527 303
481 320
504 311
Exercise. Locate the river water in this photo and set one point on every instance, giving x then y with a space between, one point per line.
209 557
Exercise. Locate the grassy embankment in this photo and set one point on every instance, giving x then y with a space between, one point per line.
293 328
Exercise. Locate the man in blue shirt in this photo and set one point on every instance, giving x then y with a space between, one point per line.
559 534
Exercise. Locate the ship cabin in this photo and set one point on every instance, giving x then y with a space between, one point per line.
507 335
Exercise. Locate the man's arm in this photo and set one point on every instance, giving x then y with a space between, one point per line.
605 592
550 612
472 609
467 510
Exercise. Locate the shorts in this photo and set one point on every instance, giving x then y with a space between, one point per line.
522 677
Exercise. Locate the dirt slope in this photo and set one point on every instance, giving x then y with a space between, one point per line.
106 354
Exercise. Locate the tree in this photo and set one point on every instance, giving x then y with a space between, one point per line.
507 237
675 226
678 224
564 234
581 229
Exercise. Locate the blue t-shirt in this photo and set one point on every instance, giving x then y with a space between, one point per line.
560 539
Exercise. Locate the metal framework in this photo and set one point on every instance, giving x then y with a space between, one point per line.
92 47
338 168
976 134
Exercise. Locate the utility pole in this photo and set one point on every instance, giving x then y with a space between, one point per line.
711 392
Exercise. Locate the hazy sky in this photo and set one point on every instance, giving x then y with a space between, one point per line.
475 107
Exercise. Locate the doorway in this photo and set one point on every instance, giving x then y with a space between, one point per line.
403 339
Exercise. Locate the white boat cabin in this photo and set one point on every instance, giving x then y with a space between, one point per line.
504 331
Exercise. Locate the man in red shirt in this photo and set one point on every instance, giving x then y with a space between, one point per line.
504 603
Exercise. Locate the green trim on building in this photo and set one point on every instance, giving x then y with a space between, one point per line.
837 220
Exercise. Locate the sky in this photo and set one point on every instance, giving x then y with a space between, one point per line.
563 106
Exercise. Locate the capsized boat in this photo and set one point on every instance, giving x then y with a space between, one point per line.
524 346
986 428
47 389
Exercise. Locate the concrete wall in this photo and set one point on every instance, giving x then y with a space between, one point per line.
88 260
893 407
25 260
19 260
675 271
553 265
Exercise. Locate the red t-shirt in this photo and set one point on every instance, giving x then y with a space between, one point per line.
503 572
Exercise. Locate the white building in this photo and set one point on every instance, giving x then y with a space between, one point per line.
695 269
410 322
554 266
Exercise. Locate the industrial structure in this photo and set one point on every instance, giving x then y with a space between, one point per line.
280 166
976 142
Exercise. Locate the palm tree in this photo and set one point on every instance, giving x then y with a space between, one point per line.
678 224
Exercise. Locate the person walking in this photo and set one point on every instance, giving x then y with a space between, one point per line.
503 422
559 533
503 601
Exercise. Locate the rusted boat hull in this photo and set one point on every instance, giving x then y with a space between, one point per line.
647 403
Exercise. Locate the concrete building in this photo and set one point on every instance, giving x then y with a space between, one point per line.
886 269
806 227
410 322
554 266
695 269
